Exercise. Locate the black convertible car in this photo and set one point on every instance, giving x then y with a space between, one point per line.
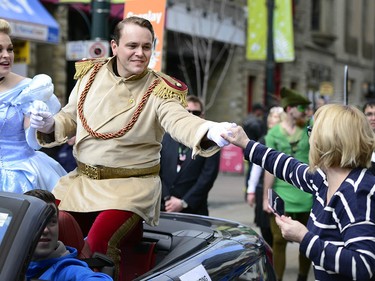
182 247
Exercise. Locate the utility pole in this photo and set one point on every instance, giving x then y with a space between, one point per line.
100 10
270 61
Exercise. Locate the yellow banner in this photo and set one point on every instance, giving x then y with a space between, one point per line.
154 11
256 30
283 38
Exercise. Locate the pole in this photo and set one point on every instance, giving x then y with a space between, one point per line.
270 62
100 10
346 82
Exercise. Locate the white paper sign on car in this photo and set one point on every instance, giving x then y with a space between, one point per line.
3 218
198 273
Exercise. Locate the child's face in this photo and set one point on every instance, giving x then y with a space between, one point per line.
48 241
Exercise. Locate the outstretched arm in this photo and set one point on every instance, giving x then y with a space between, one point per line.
277 163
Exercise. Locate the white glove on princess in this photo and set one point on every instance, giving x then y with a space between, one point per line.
214 132
42 121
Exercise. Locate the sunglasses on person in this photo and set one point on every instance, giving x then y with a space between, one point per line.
309 129
195 112
301 108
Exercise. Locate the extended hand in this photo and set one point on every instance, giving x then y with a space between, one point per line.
291 230
42 121
237 136
216 131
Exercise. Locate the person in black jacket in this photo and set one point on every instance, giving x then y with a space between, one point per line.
369 110
186 182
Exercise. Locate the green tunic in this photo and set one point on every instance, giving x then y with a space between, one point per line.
296 145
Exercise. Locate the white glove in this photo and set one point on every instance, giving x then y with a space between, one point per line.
42 121
214 133
39 106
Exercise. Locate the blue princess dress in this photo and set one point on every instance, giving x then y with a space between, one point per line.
21 167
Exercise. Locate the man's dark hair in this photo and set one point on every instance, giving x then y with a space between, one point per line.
368 104
195 99
132 20
44 195
257 106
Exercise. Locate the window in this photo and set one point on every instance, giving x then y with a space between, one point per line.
368 23
322 22
352 27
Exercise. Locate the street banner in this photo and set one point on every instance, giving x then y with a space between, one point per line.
154 11
283 38
283 41
256 48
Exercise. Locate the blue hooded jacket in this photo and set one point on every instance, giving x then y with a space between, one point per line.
65 268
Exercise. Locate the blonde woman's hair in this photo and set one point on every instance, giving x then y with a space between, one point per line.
276 110
341 137
5 27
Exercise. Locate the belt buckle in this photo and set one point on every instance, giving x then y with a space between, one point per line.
92 172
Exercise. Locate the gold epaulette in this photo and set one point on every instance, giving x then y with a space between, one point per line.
84 66
170 88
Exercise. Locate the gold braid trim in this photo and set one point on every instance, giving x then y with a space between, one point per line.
127 127
84 66
164 92
122 234
170 88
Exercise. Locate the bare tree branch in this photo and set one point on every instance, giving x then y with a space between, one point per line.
221 78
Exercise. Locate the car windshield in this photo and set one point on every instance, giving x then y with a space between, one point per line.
5 219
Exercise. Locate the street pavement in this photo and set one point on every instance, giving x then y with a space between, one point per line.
226 200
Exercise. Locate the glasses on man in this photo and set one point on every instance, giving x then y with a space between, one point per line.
301 108
195 112
309 129
370 114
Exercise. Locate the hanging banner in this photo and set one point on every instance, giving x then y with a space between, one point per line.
256 48
283 40
154 11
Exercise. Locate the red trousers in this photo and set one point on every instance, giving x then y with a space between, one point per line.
109 232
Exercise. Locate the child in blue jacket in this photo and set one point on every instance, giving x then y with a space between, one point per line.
54 261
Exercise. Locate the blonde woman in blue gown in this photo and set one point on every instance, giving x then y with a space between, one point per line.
22 168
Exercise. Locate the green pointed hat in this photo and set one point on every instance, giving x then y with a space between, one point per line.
292 98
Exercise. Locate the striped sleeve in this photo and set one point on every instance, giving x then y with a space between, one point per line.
280 165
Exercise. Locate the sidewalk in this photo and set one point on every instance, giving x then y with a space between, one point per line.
226 200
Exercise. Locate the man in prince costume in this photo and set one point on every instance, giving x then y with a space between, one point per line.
119 111
21 167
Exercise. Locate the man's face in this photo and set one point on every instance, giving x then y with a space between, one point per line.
370 115
48 241
195 108
298 113
133 50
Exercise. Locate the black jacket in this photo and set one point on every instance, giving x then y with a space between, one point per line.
194 180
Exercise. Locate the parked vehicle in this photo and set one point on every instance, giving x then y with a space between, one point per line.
182 247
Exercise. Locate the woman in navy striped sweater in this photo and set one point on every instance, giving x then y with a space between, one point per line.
340 235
